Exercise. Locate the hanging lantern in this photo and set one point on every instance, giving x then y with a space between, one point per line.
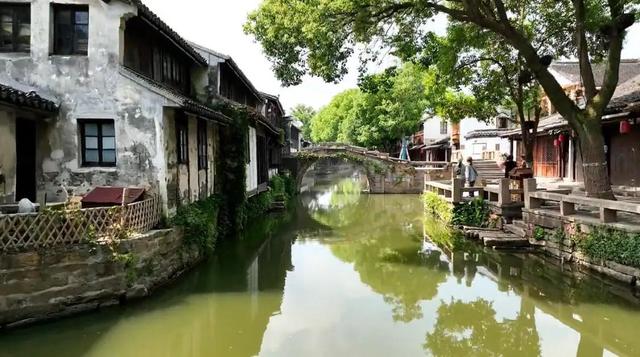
556 143
625 127
561 138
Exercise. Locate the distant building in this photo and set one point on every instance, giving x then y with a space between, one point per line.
446 141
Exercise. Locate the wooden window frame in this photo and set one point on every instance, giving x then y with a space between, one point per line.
182 139
203 156
16 25
99 122
444 127
74 9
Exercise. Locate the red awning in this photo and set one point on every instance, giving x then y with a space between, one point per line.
109 196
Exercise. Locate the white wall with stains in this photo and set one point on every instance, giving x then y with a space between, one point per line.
95 86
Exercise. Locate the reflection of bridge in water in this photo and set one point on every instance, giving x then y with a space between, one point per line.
559 291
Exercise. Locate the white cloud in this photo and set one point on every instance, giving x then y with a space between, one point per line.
217 24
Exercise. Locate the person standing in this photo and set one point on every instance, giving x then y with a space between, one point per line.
460 171
471 174
509 165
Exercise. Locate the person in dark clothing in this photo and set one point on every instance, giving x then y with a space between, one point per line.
509 165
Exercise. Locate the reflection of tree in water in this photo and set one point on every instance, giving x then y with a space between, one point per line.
383 242
471 329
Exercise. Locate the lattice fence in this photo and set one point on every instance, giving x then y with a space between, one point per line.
66 227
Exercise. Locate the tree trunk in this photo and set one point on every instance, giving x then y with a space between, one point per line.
594 161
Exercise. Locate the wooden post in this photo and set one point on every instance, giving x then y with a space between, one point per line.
504 192
457 190
529 186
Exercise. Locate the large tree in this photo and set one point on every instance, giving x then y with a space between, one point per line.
304 113
318 36
492 71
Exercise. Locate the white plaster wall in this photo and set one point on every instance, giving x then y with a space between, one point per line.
92 87
470 124
7 155
252 166
432 129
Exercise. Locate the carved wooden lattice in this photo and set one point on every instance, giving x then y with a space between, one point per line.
52 228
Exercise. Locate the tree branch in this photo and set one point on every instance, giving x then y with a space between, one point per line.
586 72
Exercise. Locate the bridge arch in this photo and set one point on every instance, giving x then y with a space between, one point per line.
385 174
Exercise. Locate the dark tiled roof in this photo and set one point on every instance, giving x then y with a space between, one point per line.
231 63
196 108
261 119
444 142
30 100
145 12
273 98
485 133
571 70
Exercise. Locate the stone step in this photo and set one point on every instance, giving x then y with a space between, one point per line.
512 241
519 231
519 223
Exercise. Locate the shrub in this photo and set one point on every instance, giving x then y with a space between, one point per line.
606 243
199 221
539 234
436 206
471 213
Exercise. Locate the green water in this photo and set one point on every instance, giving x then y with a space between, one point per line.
348 274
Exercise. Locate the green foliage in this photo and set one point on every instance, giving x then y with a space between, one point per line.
317 37
539 234
305 114
606 243
259 204
471 213
436 206
199 221
232 171
558 235
281 187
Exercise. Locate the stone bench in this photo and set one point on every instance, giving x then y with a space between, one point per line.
608 209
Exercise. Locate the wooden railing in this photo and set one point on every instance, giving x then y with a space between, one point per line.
52 228
608 209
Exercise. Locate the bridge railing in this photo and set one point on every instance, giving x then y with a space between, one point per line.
454 190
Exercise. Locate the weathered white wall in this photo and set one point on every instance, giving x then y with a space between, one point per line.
432 133
95 86
252 166
7 155
432 129
471 146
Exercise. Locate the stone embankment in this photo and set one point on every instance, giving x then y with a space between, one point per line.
48 284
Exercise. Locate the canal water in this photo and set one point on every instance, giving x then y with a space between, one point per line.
344 273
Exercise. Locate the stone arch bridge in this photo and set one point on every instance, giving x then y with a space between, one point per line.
385 174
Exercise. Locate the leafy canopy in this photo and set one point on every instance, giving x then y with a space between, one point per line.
304 113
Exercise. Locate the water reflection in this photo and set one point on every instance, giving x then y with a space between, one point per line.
349 274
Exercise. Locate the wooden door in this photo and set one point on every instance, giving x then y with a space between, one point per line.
546 157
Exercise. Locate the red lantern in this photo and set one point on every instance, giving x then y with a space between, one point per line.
561 138
625 127
556 143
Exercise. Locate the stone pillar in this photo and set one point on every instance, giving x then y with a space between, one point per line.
529 186
504 194
456 195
